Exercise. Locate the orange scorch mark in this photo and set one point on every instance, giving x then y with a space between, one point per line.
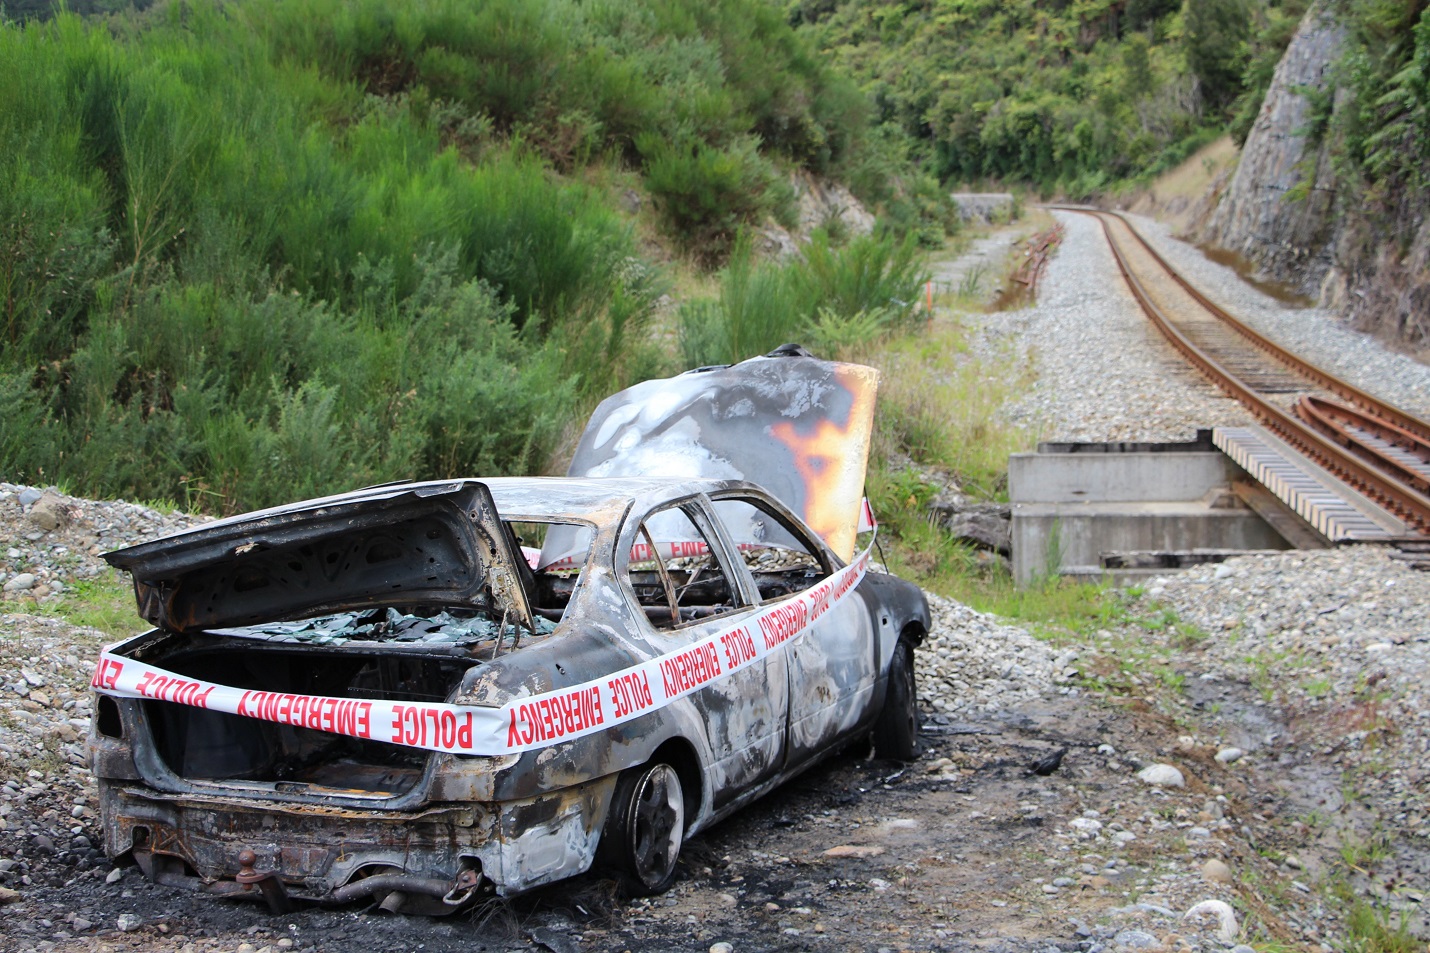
831 461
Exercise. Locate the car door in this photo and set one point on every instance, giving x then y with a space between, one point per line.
830 662
680 574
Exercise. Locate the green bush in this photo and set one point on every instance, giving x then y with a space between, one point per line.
872 274
233 402
27 444
54 245
706 194
758 310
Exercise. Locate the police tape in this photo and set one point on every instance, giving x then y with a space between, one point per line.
523 723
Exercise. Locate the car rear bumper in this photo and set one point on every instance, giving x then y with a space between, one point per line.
435 859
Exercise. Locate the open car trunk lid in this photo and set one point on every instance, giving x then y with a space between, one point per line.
414 545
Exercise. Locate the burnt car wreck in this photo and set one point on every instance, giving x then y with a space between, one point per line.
421 693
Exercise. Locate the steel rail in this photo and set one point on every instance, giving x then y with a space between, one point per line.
1350 426
1297 363
1412 506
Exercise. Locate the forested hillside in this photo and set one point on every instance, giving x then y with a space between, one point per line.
1068 95
251 251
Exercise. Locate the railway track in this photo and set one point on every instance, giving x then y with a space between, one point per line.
1376 448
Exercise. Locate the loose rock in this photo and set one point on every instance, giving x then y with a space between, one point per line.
1227 928
1216 871
20 582
1162 775
854 850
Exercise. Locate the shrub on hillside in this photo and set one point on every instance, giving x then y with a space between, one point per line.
230 402
707 194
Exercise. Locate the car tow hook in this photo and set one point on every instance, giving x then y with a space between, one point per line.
267 881
466 883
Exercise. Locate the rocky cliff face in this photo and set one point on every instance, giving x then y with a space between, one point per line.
1381 277
1269 213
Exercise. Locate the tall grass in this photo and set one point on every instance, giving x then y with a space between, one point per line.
839 298
872 272
940 407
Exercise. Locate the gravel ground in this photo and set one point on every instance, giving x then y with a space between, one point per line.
1314 663
1103 371
1345 634
971 663
969 845
981 265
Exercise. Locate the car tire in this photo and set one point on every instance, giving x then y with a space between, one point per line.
645 828
896 733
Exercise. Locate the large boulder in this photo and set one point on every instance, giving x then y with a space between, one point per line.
984 525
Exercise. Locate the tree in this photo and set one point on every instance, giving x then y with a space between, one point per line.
1216 46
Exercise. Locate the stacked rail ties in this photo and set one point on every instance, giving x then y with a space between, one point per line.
1351 465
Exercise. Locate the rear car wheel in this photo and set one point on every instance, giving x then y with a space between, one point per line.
645 828
896 733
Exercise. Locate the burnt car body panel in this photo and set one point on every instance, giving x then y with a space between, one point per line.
241 806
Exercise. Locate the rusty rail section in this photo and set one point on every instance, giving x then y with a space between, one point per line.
1040 249
1023 281
1404 500
1300 365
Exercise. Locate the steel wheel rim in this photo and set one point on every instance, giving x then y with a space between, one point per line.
657 823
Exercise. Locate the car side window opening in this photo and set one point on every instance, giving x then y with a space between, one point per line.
782 560
675 573
554 554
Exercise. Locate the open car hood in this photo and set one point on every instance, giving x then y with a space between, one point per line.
792 423
412 545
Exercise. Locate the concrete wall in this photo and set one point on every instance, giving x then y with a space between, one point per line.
1071 508
984 206
1116 477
